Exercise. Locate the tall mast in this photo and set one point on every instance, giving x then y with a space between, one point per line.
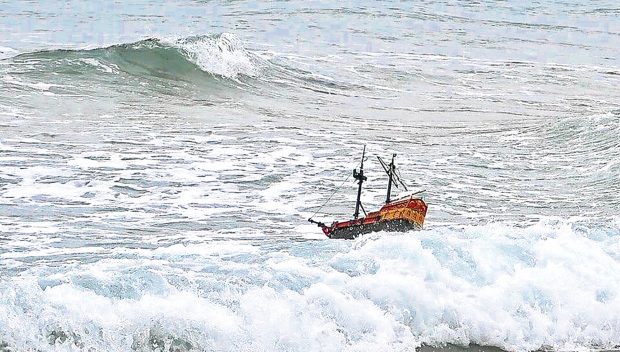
359 176
390 173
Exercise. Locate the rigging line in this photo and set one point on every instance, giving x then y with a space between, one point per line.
364 210
330 197
335 191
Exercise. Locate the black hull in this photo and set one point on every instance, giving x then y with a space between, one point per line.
351 232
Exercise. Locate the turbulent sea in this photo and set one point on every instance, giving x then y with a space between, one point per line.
158 163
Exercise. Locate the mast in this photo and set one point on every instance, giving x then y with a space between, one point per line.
390 173
359 176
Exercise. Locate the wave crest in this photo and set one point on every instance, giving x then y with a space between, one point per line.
220 55
553 284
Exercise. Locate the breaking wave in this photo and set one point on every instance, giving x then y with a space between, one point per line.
221 55
553 285
198 60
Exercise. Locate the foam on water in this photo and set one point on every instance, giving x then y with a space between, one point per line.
7 52
551 284
112 68
37 85
222 55
154 192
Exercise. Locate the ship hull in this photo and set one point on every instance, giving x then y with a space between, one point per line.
401 215
351 232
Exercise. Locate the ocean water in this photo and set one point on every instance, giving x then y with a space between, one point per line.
158 162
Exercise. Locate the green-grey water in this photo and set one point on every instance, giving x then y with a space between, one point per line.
158 162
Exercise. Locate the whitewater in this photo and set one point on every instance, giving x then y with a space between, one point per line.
159 162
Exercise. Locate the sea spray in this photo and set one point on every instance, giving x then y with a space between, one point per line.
222 55
551 284
156 175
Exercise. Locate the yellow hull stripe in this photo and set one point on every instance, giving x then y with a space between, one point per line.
403 214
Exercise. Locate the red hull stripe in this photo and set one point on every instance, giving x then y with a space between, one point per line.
410 209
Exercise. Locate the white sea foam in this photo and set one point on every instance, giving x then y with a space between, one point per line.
6 52
168 212
109 68
40 86
222 55
51 252
516 288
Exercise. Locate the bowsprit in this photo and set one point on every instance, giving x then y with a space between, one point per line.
401 215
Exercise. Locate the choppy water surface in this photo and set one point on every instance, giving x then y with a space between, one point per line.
158 164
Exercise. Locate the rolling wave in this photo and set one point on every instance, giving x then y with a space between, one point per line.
154 193
550 284
221 55
208 60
